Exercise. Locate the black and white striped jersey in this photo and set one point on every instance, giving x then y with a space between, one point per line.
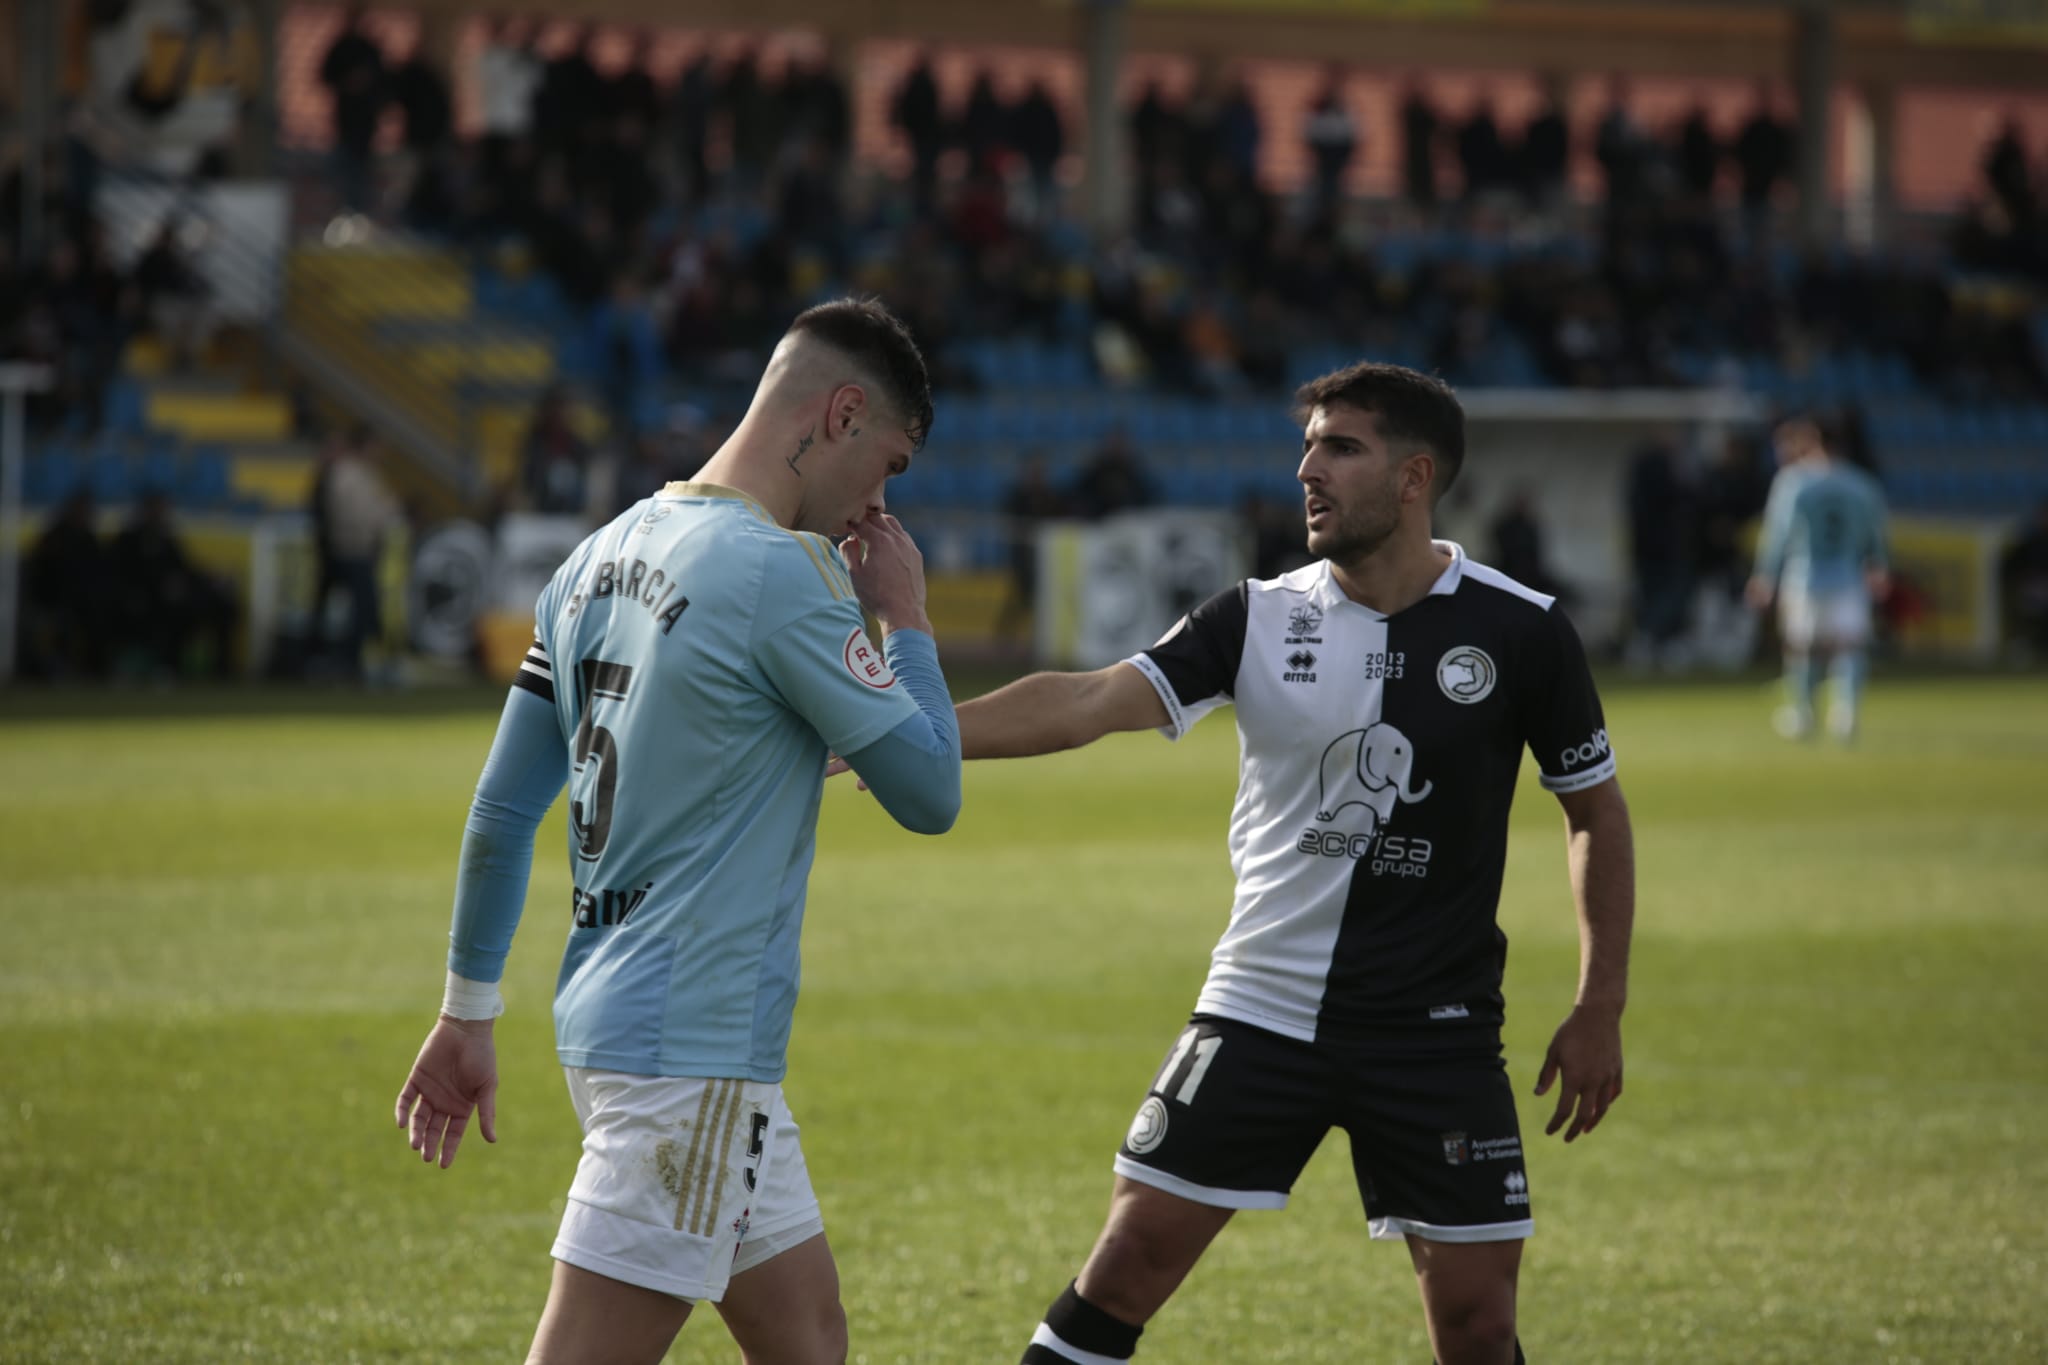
1378 758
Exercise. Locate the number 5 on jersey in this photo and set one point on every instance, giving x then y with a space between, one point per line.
595 777
1205 1050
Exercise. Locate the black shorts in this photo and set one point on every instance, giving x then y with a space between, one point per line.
1237 1110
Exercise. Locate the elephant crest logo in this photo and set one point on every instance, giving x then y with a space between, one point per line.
1373 768
1466 674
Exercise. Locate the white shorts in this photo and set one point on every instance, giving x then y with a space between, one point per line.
684 1182
1837 619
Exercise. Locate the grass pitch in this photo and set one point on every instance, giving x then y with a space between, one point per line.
224 935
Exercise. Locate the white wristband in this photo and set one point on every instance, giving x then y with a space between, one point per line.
466 999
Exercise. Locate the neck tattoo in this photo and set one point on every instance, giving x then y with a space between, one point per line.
803 444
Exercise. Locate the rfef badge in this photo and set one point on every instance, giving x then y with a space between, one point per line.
866 663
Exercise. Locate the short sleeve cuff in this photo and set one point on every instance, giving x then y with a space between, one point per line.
1578 782
1177 719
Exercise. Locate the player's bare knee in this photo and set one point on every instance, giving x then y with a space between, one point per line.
1133 1271
1477 1331
783 1339
832 1335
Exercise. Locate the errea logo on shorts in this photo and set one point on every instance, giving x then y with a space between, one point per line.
1591 752
1517 1187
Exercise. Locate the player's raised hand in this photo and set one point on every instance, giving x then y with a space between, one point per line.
1585 1057
456 1073
888 572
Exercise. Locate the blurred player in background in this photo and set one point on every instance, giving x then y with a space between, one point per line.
1384 695
692 662
1822 555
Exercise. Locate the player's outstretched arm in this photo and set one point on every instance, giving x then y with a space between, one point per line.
1585 1055
1047 712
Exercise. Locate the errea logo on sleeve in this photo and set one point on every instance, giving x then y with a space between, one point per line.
1585 755
867 663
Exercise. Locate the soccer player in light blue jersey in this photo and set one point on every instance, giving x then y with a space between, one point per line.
693 663
1822 555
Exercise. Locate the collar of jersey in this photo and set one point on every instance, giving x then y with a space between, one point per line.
1329 594
683 488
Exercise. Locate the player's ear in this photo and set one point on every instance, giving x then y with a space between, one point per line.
1418 476
849 408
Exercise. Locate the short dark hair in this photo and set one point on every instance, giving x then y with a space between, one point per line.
881 347
1410 405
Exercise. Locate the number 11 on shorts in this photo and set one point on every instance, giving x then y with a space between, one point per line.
1205 1050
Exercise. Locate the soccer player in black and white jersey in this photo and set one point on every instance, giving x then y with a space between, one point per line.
1383 697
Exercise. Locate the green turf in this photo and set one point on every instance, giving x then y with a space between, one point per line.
223 940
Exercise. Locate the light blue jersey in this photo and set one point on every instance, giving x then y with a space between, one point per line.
1822 529
701 660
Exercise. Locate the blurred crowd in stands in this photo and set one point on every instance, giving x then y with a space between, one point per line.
683 223
134 605
139 605
676 224
76 310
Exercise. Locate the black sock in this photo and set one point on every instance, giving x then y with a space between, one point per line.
1079 1325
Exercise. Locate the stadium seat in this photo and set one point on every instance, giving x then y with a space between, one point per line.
157 470
1069 367
49 476
938 486
981 483
2006 423
110 477
208 477
1966 427
1209 483
125 407
1905 487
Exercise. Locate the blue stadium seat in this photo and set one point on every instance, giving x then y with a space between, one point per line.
1922 425
942 487
49 476
110 477
981 358
1231 422
1026 365
1061 421
207 477
982 483
1069 367
1008 421
157 471
125 407
1966 427
958 423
